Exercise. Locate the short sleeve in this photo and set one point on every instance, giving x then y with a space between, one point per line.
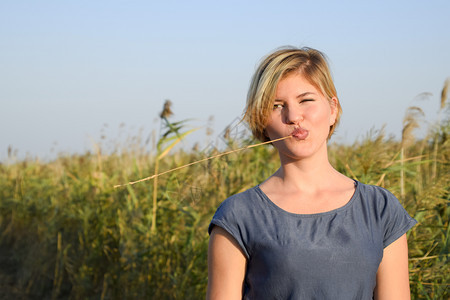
231 217
396 221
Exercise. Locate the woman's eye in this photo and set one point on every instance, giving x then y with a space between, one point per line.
277 106
306 100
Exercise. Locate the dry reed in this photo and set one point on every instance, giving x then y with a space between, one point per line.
444 93
199 161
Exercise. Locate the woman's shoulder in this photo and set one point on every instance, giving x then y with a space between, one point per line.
379 198
240 200
387 211
237 216
374 192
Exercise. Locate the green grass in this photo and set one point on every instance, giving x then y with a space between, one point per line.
66 233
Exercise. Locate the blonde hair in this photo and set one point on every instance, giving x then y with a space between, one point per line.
311 63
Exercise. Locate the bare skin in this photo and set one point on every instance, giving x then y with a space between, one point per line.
226 267
295 197
306 183
393 275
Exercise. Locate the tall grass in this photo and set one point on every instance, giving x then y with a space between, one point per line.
66 233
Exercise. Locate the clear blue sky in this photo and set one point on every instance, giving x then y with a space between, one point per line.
69 67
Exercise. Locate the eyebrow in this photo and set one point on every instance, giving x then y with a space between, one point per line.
305 94
299 96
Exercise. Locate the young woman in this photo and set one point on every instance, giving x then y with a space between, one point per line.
308 231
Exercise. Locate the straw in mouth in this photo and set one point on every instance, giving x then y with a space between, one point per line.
199 161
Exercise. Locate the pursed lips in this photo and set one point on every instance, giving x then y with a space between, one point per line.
300 133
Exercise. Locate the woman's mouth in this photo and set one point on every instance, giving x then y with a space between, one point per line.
300 133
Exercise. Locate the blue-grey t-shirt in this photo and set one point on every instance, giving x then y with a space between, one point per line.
330 255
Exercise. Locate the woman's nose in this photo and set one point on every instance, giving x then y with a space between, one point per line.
293 115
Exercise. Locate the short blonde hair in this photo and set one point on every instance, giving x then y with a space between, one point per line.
311 63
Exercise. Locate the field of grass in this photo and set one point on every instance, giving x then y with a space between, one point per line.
67 233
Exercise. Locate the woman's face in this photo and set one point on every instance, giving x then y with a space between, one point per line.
303 112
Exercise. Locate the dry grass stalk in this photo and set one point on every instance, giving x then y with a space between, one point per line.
57 274
444 93
427 257
351 172
199 161
167 111
411 122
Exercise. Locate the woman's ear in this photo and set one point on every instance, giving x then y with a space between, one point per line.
334 110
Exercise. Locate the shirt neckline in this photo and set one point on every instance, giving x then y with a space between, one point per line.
333 211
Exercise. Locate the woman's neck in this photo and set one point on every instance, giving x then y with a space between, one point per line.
313 172
305 175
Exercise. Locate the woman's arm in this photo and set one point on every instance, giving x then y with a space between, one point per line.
393 274
226 266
